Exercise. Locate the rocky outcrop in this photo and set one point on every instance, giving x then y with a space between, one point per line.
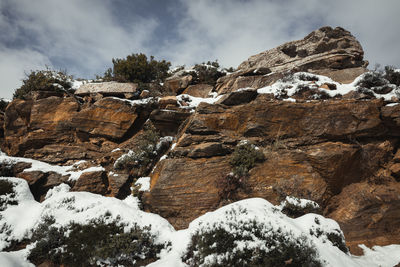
107 89
325 51
316 150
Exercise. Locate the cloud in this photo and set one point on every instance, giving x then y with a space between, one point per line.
14 63
80 36
232 30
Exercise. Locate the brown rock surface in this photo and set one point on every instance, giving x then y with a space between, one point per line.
94 182
331 52
319 150
198 90
176 84
109 117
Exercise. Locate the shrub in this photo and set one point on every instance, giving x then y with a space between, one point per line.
245 156
144 153
95 243
308 77
7 194
295 207
207 73
392 75
335 236
248 243
3 104
137 68
43 80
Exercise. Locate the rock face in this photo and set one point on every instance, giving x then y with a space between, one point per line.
317 150
107 89
331 52
342 153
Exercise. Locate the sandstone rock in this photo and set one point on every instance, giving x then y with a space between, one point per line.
41 182
176 85
144 94
321 49
168 121
326 51
395 169
167 100
108 117
238 97
106 88
119 184
207 150
368 214
198 90
33 124
94 182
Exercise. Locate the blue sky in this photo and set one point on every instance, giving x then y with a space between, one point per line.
82 36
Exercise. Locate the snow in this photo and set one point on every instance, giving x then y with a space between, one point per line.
138 102
302 203
291 87
144 183
193 102
80 207
45 167
115 150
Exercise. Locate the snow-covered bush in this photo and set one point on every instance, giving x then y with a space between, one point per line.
207 73
44 80
7 194
295 207
97 243
143 154
248 243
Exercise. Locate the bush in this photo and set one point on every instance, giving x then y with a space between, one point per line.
7 194
144 153
250 243
294 207
335 236
207 73
137 68
392 76
43 80
244 158
92 244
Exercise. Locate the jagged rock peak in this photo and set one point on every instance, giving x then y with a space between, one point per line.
325 48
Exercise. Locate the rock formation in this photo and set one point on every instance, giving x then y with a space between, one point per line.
342 152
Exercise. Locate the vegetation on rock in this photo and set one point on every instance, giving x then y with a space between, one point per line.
137 68
43 80
234 244
207 73
97 243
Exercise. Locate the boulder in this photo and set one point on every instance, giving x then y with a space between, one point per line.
327 51
94 182
198 90
176 84
109 117
238 97
107 89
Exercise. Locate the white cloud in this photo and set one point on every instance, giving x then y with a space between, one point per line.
233 30
13 65
82 36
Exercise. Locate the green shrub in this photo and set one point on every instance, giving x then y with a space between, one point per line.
137 68
244 158
249 243
335 236
7 194
92 244
293 207
43 80
3 104
144 153
391 75
207 73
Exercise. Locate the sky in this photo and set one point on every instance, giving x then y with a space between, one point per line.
82 36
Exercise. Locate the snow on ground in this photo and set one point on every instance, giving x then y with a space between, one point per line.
81 207
45 167
193 102
144 183
291 87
